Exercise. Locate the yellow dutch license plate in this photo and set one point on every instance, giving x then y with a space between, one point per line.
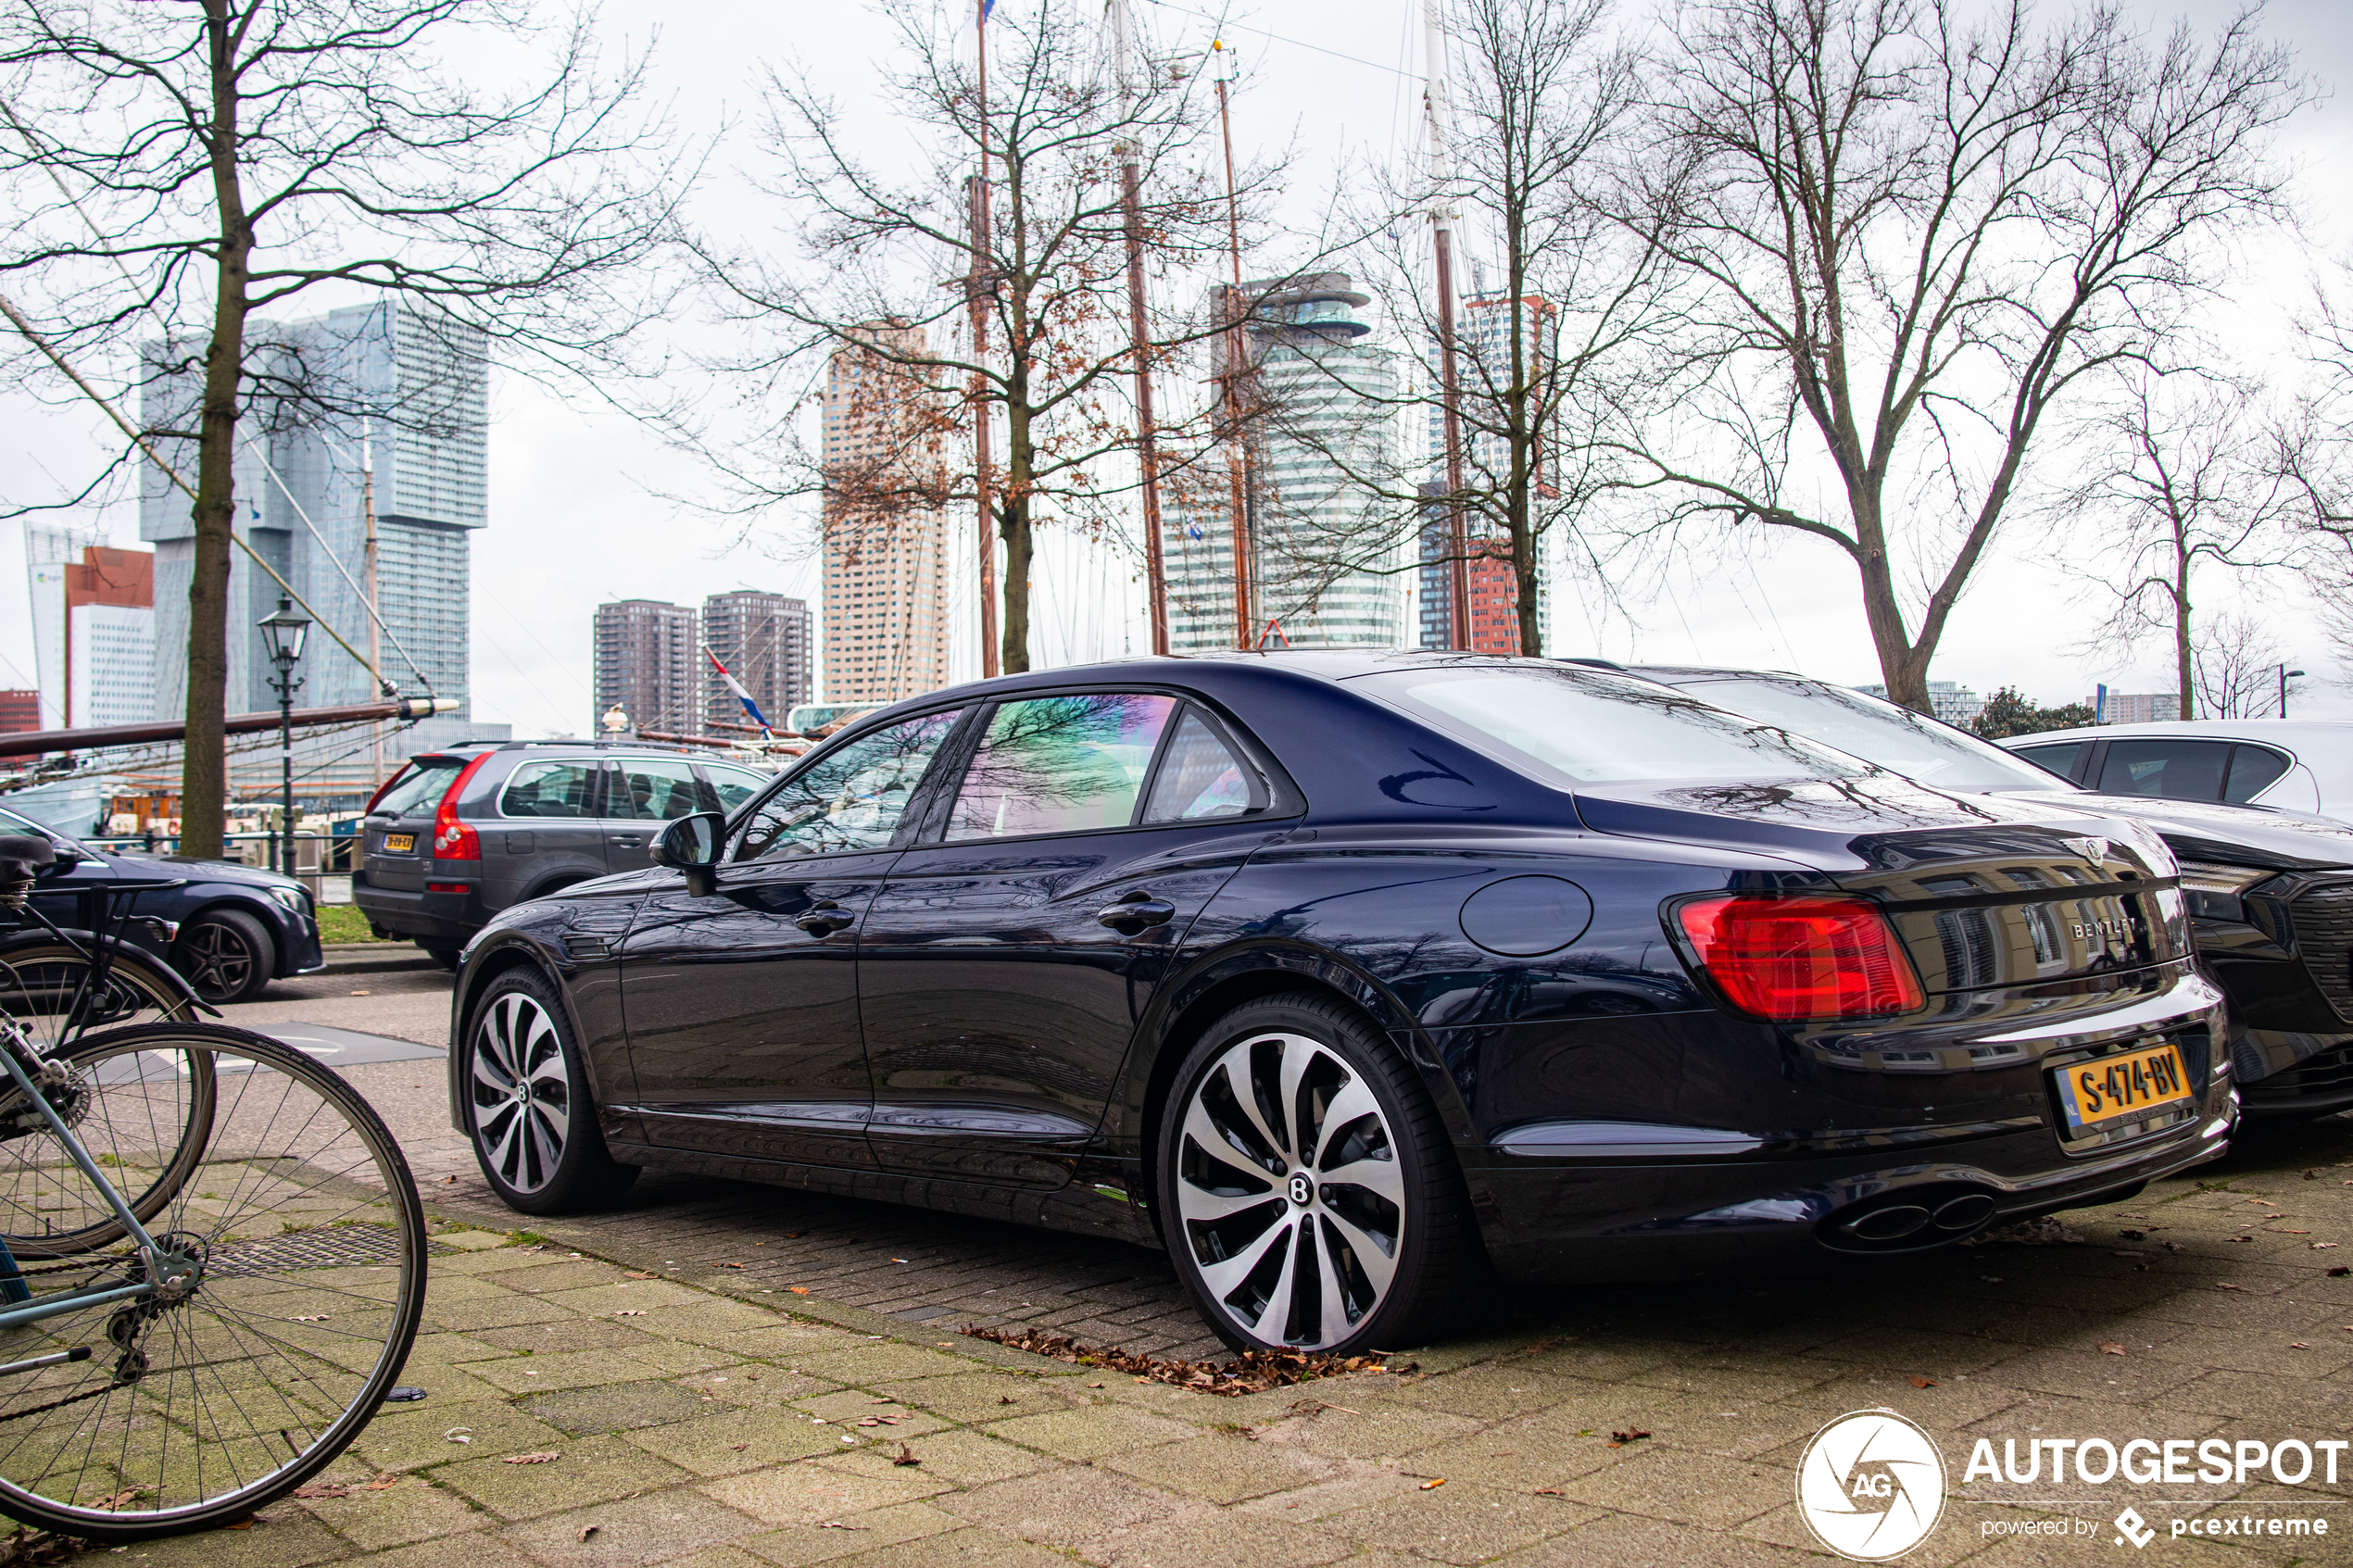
2098 1094
400 844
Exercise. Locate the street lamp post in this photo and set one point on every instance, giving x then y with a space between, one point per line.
283 631
2286 676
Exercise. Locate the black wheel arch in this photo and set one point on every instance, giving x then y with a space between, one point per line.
1188 1003
509 950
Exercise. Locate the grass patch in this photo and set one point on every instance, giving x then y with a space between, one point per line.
343 923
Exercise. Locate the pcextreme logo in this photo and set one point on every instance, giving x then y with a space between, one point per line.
1870 1486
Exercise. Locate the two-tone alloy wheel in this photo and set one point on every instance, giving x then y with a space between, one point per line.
1309 1194
528 1109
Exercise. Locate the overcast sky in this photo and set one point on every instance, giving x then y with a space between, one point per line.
576 513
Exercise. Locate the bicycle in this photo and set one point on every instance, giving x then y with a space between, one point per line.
212 1264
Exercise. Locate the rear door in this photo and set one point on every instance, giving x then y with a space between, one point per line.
641 795
547 834
1005 964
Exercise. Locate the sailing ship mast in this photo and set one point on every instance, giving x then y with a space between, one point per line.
1237 456
1131 208
1442 224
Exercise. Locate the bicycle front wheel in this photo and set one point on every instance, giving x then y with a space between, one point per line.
194 1409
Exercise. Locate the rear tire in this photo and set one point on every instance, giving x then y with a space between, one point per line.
1338 1222
529 1113
226 957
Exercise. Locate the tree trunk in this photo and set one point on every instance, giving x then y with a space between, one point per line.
1013 524
204 782
1902 665
2184 665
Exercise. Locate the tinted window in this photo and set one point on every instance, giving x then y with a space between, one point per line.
550 789
421 787
1199 777
2178 770
1897 738
849 799
2254 769
735 785
1573 726
1059 764
2059 758
654 789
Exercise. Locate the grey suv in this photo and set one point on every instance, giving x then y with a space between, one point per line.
462 833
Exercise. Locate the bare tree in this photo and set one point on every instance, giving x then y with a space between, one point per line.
902 249
1908 237
1541 92
2178 476
2236 662
201 165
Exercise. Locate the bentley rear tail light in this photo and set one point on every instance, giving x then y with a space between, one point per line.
1792 959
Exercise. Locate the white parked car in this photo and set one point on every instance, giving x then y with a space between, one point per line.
2294 764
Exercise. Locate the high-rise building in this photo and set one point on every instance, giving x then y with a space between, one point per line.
384 386
763 641
93 628
19 710
648 660
1333 393
886 590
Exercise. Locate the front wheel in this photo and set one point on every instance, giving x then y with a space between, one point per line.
1308 1191
529 1113
226 956
294 1260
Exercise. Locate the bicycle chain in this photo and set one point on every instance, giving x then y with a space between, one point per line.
59 1404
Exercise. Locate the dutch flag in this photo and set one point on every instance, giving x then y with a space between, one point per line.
737 687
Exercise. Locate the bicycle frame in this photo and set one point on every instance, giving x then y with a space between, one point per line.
160 1263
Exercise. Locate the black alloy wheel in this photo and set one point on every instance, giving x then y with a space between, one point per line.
529 1113
1308 1191
225 956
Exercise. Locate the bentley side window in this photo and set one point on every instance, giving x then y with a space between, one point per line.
1060 764
1200 777
848 799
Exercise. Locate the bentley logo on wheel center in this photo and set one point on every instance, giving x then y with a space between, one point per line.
1870 1486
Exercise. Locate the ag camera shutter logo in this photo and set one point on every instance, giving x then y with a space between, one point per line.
1870 1486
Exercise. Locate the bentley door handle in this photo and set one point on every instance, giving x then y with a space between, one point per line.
824 917
1133 912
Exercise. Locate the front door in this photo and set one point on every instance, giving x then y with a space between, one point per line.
1004 966
742 1006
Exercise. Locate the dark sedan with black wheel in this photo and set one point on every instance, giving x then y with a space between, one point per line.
1346 976
229 929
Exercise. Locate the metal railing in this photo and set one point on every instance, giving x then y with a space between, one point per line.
316 855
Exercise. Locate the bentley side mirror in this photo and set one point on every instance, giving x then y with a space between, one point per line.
691 845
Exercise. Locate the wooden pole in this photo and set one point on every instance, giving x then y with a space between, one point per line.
1237 351
984 288
1147 453
1441 219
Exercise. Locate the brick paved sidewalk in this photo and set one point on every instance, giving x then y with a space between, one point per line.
703 1417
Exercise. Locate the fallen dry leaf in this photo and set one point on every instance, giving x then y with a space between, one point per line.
531 1458
2297 1345
382 1483
2311 1175
1254 1372
2339 1271
727 1265
739 1446
837 1525
2319 1245
803 1290
2110 1347
1923 1383
2291 1233
643 1273
1548 1491
1433 1482
1008 1399
906 1456
631 1312
588 1530
2223 1286
1619 1440
323 1490
876 1420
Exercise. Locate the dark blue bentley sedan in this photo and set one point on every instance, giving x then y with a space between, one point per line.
1344 976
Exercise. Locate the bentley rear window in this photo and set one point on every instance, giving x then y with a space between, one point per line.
1571 727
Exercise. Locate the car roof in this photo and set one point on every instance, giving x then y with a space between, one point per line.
2330 737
